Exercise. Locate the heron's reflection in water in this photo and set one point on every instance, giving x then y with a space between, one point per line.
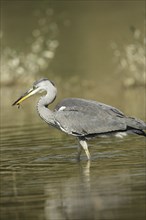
70 199
79 198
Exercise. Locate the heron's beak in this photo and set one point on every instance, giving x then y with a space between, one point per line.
27 94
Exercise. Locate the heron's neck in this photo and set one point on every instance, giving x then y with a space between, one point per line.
42 108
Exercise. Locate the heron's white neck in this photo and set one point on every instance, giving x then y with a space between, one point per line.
42 108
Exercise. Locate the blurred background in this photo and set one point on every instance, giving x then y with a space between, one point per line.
90 49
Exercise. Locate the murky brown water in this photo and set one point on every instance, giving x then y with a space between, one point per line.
41 179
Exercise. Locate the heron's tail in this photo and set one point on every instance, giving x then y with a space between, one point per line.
139 132
136 126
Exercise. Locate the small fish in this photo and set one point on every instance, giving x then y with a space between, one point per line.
18 105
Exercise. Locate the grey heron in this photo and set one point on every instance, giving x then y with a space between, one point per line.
82 118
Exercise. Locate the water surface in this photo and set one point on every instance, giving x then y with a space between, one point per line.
41 179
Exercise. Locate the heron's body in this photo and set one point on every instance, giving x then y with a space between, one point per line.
83 118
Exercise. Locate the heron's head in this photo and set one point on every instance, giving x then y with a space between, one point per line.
38 87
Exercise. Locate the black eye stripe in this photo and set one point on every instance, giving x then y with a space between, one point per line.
41 80
52 83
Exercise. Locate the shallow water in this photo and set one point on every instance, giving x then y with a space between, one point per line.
41 179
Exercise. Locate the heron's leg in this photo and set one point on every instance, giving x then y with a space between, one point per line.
79 152
84 145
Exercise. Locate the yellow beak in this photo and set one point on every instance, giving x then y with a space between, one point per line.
27 94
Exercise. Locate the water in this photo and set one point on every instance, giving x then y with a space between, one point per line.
40 176
41 179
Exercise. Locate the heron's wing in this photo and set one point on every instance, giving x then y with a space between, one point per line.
80 104
83 117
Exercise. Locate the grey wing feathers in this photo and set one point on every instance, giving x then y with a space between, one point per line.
136 123
89 104
85 117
